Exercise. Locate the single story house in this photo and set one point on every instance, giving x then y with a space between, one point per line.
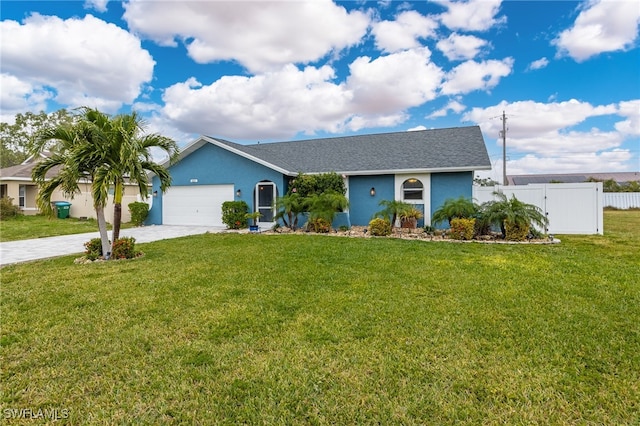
420 167
17 184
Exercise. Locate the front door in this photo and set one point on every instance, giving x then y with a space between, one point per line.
265 201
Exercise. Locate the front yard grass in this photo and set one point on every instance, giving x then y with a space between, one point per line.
24 227
299 329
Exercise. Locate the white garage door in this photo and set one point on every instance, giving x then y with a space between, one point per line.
195 205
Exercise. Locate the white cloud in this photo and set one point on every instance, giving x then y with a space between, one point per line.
472 15
602 26
404 32
471 75
528 119
461 47
262 36
98 5
84 61
453 105
280 104
271 105
545 134
630 110
394 82
602 162
538 64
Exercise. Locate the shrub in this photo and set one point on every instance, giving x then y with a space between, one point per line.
380 227
462 229
306 185
516 231
319 225
7 208
93 248
124 248
139 212
234 214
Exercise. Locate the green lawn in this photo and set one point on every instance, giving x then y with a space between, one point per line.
24 227
300 329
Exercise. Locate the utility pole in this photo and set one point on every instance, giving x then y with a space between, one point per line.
503 133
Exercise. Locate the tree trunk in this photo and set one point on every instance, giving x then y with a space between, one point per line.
104 237
117 218
117 211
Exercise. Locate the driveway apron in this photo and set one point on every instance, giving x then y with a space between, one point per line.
42 248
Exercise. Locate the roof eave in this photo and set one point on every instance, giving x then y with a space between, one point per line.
407 171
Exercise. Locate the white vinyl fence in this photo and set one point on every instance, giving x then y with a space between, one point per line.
622 200
572 208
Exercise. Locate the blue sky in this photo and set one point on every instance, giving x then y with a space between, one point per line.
567 74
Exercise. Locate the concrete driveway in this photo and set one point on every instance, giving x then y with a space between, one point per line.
41 248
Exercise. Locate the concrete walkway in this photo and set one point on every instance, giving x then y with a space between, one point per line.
41 248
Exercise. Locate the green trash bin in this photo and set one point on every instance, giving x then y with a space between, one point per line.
62 209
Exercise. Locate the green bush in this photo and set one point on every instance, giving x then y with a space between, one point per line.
139 212
379 227
93 248
7 209
234 214
319 225
516 231
306 185
124 248
462 229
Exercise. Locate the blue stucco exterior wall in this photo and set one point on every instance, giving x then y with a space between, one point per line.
362 205
449 185
212 165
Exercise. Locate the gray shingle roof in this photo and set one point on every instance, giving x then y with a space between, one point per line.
455 149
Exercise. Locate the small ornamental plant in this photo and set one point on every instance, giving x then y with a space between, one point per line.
93 249
124 248
319 225
379 227
462 229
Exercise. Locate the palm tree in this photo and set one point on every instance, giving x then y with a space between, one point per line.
326 205
454 208
392 210
104 151
289 207
77 153
129 159
513 214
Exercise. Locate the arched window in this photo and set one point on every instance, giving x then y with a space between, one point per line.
412 189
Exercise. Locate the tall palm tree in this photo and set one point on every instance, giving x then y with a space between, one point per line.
130 159
77 153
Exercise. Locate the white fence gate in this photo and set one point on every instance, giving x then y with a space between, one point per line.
622 200
572 208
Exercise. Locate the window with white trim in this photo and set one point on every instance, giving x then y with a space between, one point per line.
22 195
412 189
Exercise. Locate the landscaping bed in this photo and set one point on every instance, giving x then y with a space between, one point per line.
415 234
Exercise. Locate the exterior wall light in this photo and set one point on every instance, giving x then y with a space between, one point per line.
372 192
155 194
239 193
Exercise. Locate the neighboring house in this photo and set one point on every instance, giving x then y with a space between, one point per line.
420 167
619 177
16 183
